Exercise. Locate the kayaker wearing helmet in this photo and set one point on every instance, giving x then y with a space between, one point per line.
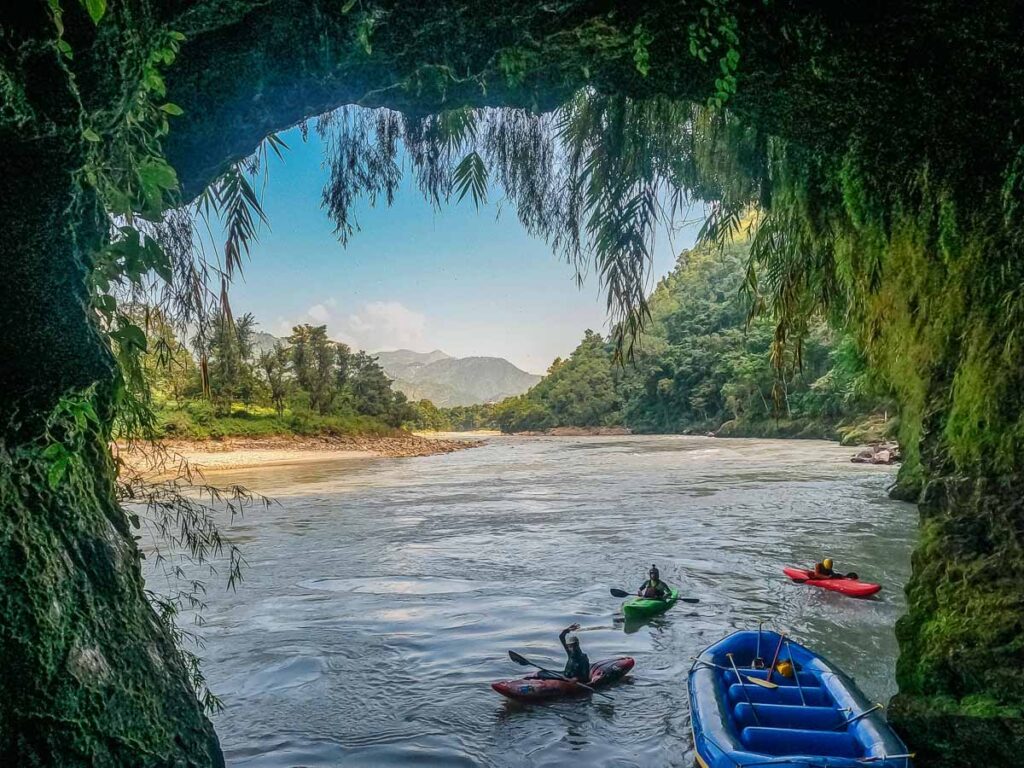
823 570
654 587
577 666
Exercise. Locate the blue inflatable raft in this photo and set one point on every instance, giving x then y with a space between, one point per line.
819 719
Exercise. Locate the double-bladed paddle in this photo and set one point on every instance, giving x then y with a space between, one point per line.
525 662
623 593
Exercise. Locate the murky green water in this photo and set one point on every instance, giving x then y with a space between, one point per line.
383 595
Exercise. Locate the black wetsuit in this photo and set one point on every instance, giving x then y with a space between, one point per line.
660 587
578 664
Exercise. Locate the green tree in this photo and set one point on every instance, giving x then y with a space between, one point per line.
313 363
168 366
427 416
274 365
229 359
371 393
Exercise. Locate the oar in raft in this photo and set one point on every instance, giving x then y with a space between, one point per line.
855 718
758 662
796 674
525 662
623 593
775 658
748 678
735 669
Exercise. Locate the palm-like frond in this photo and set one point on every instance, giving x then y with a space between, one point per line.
470 176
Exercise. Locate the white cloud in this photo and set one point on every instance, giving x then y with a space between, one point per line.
374 326
385 325
319 314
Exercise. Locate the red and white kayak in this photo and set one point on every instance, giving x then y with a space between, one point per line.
535 688
851 587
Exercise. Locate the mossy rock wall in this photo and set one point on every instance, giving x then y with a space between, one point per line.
961 668
90 675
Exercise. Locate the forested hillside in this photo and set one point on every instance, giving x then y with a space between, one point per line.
702 365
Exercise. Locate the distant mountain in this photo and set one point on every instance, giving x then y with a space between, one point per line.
264 342
440 378
448 381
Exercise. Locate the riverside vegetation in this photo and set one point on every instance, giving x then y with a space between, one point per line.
307 386
703 363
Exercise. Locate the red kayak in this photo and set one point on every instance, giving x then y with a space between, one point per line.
536 688
851 587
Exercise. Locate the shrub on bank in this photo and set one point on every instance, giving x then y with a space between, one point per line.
196 422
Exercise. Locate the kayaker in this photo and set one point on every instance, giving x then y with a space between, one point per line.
823 570
577 665
654 587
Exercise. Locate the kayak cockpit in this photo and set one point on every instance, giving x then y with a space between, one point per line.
819 718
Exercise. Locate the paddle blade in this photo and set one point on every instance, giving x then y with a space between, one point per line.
689 600
762 683
520 660
619 592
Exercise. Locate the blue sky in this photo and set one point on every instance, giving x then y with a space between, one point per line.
464 281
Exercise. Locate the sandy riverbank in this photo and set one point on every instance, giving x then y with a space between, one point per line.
238 453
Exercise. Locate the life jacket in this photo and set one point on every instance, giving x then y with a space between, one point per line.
659 587
578 666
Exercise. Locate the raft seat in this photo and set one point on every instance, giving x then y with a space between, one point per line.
806 678
815 696
785 716
797 741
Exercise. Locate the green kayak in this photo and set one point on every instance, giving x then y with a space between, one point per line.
643 607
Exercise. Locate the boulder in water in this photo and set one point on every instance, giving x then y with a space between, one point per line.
879 453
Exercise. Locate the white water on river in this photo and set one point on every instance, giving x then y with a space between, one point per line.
383 594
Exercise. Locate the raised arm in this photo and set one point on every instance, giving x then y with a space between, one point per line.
566 631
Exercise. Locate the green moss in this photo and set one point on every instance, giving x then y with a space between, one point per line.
108 686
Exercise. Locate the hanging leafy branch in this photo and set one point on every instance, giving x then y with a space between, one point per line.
155 269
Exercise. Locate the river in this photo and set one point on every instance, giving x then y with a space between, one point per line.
383 594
